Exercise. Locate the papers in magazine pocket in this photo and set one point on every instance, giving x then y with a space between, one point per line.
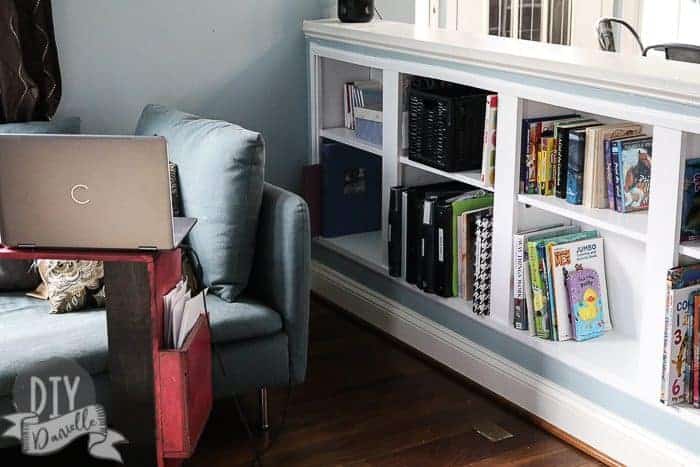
181 311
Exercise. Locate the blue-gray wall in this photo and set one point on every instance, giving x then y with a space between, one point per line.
239 60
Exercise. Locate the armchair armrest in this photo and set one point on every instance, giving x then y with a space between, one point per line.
281 269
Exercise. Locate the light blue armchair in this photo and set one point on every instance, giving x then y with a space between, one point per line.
260 338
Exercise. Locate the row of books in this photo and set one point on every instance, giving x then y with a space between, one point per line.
680 381
440 240
587 163
359 97
559 283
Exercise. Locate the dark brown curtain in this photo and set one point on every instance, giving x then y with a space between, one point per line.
30 80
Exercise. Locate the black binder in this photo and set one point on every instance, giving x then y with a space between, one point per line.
443 253
414 220
429 239
395 230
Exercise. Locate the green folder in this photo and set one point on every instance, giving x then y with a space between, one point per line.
459 207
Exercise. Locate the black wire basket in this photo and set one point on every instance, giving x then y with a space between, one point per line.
446 125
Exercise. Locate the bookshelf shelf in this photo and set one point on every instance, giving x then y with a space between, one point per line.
632 225
611 358
346 136
691 249
366 248
472 177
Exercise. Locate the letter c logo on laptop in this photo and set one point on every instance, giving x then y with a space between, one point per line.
74 192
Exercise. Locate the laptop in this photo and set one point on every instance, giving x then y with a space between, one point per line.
92 192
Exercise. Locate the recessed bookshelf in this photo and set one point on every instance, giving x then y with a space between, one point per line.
347 136
632 225
639 247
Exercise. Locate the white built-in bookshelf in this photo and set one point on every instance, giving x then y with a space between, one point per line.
639 247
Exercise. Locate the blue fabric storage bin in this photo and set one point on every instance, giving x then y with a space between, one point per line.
369 125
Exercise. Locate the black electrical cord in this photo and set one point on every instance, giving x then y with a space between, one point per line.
376 10
274 436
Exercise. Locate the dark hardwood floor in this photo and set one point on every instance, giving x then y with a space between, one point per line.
368 402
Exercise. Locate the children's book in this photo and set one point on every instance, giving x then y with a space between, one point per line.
564 259
632 162
543 323
520 266
690 220
690 356
696 351
682 283
585 289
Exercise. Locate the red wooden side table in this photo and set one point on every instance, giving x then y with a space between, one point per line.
154 405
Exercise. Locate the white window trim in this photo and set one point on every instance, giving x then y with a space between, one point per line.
582 31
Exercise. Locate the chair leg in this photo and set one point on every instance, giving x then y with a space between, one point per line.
264 415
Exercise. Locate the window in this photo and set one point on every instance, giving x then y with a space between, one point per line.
566 22
535 20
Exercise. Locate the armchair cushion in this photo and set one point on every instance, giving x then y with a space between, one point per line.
220 167
244 319
29 334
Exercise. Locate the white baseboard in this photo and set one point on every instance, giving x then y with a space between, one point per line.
599 428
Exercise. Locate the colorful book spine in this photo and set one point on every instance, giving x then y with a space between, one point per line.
528 302
615 148
561 161
488 161
462 246
673 390
688 370
690 219
519 304
683 285
609 177
542 324
696 351
547 289
545 180
534 137
574 175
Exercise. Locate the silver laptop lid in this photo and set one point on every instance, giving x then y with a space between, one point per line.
76 191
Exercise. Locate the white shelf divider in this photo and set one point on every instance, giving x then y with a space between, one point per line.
631 224
346 136
470 177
